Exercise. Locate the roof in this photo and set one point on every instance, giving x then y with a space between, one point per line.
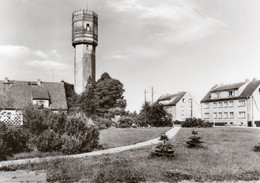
18 94
176 98
247 92
228 87
167 97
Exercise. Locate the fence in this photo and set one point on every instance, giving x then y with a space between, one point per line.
12 119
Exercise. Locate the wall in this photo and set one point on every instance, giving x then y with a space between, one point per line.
236 120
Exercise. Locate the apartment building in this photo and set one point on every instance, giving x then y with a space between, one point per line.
180 105
233 104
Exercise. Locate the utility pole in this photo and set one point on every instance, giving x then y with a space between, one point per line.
145 106
152 95
145 95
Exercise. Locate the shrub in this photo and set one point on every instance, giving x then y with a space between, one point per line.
220 123
177 122
163 149
194 141
35 119
48 141
12 140
71 145
102 123
125 122
58 132
195 122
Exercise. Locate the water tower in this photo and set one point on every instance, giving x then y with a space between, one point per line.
84 41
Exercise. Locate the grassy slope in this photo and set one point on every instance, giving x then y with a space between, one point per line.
115 137
227 155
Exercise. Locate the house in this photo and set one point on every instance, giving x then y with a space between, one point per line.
15 95
181 106
233 104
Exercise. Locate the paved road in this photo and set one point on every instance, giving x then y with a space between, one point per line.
171 133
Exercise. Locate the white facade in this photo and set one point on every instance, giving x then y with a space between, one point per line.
181 107
234 106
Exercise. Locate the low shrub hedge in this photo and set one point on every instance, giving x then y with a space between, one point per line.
196 122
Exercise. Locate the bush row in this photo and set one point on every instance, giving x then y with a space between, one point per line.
196 122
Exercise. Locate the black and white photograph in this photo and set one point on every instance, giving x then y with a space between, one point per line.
130 91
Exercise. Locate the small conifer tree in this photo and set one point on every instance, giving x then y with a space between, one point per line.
194 141
165 148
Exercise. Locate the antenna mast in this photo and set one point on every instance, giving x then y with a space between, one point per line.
87 4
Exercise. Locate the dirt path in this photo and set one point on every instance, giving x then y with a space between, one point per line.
171 133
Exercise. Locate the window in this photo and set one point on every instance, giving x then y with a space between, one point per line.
217 95
214 115
242 114
225 115
231 115
242 103
231 123
231 103
183 100
206 115
220 105
259 91
220 115
231 93
182 108
182 116
225 104
206 105
87 27
215 104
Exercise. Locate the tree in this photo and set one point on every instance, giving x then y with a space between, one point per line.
194 141
86 100
154 115
108 94
71 96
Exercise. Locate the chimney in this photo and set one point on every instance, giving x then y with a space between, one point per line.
246 80
6 80
39 82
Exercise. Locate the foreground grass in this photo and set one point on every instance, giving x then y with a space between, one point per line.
227 155
115 137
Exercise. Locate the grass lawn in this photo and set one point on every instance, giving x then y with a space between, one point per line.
227 155
115 137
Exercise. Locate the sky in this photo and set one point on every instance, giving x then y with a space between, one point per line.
170 45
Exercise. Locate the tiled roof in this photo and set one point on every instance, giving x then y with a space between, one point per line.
18 94
228 87
177 97
167 97
247 92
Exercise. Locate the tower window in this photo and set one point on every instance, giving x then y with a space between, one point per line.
88 28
